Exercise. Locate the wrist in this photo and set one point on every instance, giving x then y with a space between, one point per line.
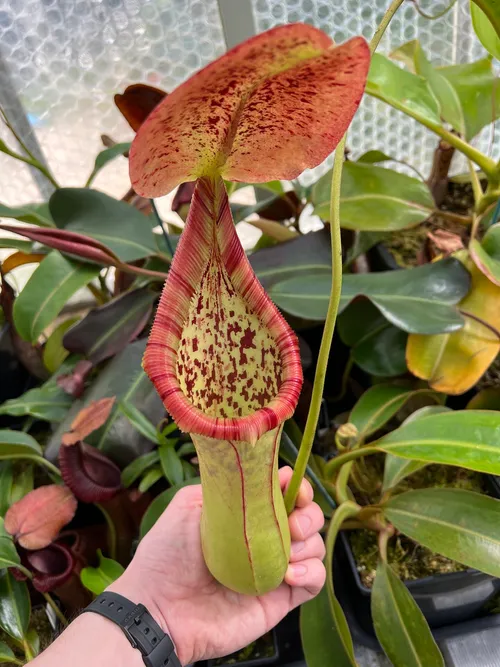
131 586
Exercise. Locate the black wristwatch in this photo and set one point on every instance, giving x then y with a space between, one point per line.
140 628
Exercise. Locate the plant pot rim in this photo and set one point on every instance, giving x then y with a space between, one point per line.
410 583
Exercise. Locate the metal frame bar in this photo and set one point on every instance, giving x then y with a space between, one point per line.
238 21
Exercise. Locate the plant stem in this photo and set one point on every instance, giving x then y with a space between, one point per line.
162 225
55 609
334 464
477 190
430 17
27 650
454 217
333 304
379 32
485 163
383 538
128 268
33 163
111 531
47 464
326 340
314 478
341 483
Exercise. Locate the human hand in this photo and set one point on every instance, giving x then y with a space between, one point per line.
206 620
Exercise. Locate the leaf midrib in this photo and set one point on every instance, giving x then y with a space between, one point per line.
437 441
49 296
456 528
401 620
406 202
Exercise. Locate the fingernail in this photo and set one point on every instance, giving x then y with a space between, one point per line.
304 522
297 547
298 569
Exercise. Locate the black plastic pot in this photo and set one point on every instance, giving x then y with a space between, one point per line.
255 662
448 601
288 648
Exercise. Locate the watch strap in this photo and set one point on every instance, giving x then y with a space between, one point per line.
140 628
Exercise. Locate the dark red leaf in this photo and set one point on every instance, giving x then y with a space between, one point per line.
137 102
183 196
71 243
74 383
106 330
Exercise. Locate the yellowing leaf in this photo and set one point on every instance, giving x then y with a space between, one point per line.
454 362
266 110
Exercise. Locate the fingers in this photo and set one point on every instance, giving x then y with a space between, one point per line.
306 493
314 547
308 577
305 521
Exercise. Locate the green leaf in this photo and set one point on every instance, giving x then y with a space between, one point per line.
492 10
449 102
363 242
375 199
97 579
461 525
23 483
401 89
160 504
54 352
50 403
379 404
107 329
15 606
485 31
17 444
139 465
478 91
486 399
416 300
52 284
106 156
8 553
171 464
150 477
321 642
36 214
486 254
372 157
6 480
399 624
376 346
6 655
396 468
120 227
309 255
139 421
124 378
33 639
465 438
17 244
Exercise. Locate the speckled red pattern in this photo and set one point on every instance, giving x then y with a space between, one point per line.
265 351
267 109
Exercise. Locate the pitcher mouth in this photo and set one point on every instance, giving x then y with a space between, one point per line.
222 358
